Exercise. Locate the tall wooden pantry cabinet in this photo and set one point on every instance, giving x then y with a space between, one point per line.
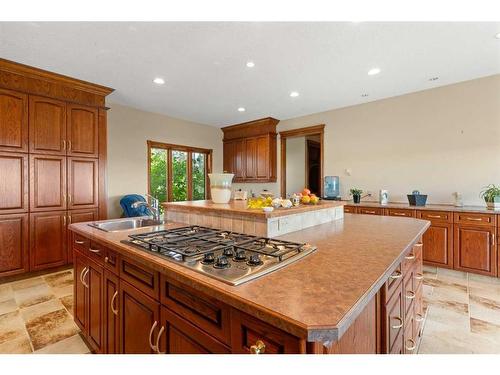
52 164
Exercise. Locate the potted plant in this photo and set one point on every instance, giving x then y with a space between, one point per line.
491 195
356 195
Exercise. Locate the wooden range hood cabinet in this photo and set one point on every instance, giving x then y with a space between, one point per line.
53 150
249 150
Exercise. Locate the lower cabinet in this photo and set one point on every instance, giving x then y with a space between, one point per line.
475 249
139 321
14 236
438 245
111 313
79 216
48 240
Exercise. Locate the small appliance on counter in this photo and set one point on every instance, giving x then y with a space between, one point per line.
417 199
220 187
240 195
331 188
383 197
458 202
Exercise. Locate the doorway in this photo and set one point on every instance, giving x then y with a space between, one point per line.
302 160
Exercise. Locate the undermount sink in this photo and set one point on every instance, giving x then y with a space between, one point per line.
126 224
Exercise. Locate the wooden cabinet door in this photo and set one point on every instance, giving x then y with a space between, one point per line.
392 331
48 238
94 278
47 126
82 129
251 158
475 249
262 157
80 291
111 314
47 183
438 245
13 121
228 157
239 159
79 216
177 336
14 244
83 174
13 182
139 320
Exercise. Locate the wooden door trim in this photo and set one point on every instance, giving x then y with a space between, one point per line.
310 130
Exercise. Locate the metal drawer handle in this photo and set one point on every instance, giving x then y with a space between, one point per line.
79 242
369 212
492 239
419 244
106 259
413 345
398 326
410 295
474 219
398 214
435 216
410 257
419 318
396 275
258 348
419 276
113 308
153 348
94 250
84 276
81 275
158 340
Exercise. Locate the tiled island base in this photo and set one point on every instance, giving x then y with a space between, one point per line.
463 314
36 316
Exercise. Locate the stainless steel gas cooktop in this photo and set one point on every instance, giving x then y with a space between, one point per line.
233 258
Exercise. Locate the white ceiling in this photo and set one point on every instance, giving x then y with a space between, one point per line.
204 64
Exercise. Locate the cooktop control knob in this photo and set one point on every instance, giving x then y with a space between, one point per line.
254 260
221 262
208 258
240 256
228 252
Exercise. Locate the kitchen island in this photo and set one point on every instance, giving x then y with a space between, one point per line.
359 292
235 216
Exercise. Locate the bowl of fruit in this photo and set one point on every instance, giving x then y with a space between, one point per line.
306 197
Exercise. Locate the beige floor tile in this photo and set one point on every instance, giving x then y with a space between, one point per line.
439 344
6 292
32 312
58 280
51 328
452 276
485 309
33 295
440 317
71 345
67 301
26 283
18 345
491 292
11 327
480 280
8 306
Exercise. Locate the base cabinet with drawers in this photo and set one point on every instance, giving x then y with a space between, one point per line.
464 241
123 306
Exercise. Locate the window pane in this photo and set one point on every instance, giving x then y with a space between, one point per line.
158 174
198 171
179 175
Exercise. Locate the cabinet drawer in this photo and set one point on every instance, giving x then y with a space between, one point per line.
409 295
201 310
394 322
436 216
475 218
393 282
400 212
112 261
410 259
97 252
252 336
410 340
350 209
143 278
370 210
81 243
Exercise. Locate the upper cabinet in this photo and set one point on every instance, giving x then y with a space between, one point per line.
82 128
13 121
250 150
47 126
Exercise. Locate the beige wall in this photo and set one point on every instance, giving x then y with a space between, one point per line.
437 141
128 131
295 164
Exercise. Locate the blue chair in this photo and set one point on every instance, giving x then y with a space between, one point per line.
129 211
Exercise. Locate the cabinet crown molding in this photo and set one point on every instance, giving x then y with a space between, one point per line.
250 128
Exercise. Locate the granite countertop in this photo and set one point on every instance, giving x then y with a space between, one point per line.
317 297
430 207
240 208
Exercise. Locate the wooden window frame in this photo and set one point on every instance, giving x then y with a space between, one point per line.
169 147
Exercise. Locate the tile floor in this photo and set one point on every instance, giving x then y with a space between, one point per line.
36 316
463 314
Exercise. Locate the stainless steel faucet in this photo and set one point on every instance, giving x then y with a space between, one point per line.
154 206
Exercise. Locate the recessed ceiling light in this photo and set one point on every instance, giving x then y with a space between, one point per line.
433 78
364 95
294 94
241 109
373 71
159 81
250 64
497 36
